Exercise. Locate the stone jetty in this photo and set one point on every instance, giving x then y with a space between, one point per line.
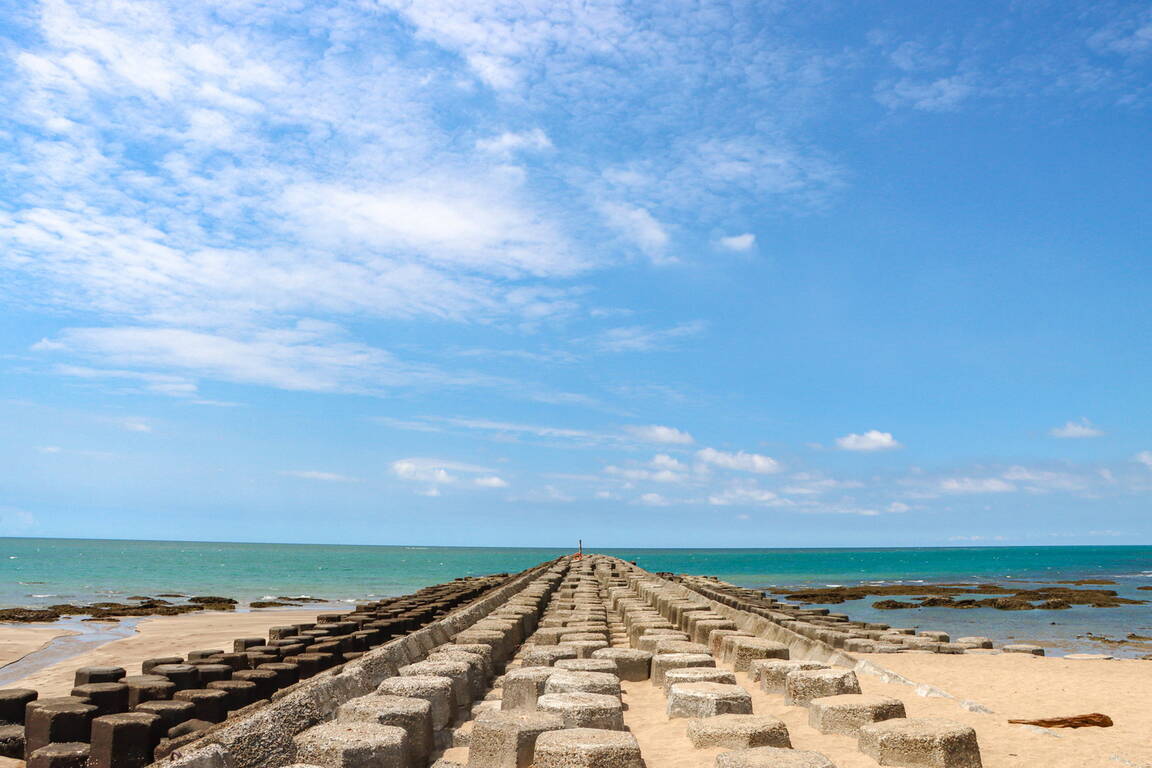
534 669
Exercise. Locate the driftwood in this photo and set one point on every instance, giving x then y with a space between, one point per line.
1075 721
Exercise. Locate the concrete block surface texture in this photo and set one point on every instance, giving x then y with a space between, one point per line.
920 743
353 745
708 700
772 757
848 713
587 748
739 732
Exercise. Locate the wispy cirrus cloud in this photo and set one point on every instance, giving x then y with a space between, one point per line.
1076 430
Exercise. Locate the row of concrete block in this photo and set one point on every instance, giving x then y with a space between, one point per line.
116 720
559 705
839 630
832 695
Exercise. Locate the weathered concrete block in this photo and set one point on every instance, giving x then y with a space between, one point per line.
745 650
666 661
697 675
87 675
588 665
708 700
547 655
974 642
412 714
772 674
584 710
457 671
631 665
772 757
587 748
848 713
57 723
668 645
13 702
437 691
1035 650
739 732
585 648
209 704
522 687
63 755
508 739
804 685
920 743
123 740
12 741
353 745
568 681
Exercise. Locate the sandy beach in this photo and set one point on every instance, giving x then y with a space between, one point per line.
1011 685
159 636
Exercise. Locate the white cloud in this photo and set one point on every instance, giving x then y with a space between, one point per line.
872 440
135 425
1076 429
491 481
747 495
1144 457
657 476
508 142
315 474
738 243
49 449
435 471
976 485
639 227
664 461
653 500
740 461
640 338
944 94
656 433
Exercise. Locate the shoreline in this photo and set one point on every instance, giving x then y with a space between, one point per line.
53 665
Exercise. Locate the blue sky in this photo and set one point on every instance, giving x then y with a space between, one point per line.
666 274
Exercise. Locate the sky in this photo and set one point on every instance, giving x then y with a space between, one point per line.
478 272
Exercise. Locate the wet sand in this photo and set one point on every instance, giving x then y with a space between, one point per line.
18 641
159 636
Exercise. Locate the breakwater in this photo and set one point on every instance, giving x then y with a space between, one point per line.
511 672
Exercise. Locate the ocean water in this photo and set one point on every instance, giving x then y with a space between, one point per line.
46 571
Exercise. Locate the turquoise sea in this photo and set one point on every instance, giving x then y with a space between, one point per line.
46 571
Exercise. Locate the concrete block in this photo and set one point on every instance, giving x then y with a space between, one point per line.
772 674
64 755
588 665
697 675
353 745
920 743
708 700
772 757
847 713
631 665
587 748
666 661
584 710
745 650
508 739
123 740
974 642
1035 650
13 703
568 681
437 691
414 715
804 685
523 686
738 732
